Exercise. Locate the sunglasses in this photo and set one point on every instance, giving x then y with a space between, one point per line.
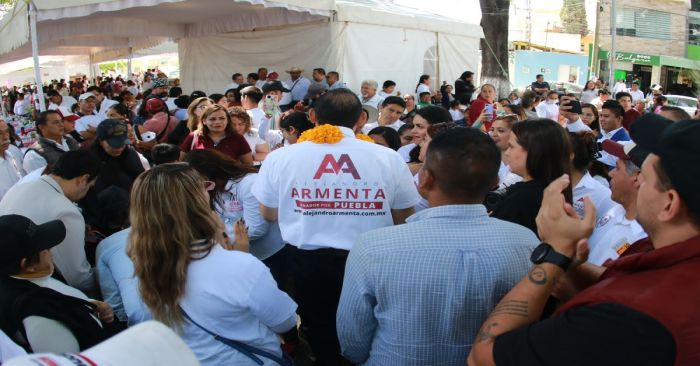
208 185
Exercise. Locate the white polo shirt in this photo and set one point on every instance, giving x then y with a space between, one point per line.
329 194
395 125
10 172
612 235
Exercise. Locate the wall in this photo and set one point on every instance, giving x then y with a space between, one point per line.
674 47
530 63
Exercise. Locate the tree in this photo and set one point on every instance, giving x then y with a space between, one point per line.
573 17
494 45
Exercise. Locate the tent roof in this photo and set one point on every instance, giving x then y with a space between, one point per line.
106 29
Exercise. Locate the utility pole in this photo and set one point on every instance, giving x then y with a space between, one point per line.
528 29
594 53
613 35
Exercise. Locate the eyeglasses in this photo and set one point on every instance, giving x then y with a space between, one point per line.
208 185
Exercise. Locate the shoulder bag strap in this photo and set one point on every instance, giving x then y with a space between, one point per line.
250 351
160 135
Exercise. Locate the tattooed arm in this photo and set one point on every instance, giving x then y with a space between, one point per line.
558 225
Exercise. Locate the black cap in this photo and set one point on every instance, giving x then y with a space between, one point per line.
22 238
114 132
678 148
314 90
273 85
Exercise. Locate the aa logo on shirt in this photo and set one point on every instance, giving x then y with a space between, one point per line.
330 165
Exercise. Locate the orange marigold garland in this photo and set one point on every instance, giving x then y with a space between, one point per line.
323 134
328 134
363 137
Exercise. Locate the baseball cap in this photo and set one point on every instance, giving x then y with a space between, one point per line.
84 96
22 238
273 85
676 145
114 132
67 115
314 90
273 75
154 105
629 151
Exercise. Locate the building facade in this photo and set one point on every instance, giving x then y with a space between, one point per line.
653 40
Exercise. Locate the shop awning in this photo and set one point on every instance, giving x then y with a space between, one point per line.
681 62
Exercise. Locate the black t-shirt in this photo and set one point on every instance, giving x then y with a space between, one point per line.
521 204
600 335
537 85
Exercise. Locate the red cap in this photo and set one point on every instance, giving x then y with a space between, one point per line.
155 105
67 115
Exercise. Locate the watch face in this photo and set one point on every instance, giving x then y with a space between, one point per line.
540 253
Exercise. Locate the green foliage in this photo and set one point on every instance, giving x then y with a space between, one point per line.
573 17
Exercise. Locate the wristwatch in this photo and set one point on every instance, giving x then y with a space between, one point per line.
544 253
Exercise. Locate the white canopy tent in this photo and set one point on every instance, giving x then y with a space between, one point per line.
360 39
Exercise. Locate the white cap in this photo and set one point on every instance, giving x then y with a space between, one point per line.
85 96
146 344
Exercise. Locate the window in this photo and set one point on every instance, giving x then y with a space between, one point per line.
643 23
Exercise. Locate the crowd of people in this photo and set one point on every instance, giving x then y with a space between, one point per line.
295 221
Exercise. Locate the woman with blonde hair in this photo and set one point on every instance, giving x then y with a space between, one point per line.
196 110
243 126
192 280
216 132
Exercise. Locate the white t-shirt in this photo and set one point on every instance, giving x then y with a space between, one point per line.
456 114
612 235
422 88
233 294
506 178
405 151
67 102
636 95
374 101
230 86
11 172
599 194
252 138
395 125
328 194
548 110
257 116
93 120
577 126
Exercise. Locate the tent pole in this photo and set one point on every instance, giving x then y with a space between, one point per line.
438 83
35 56
128 65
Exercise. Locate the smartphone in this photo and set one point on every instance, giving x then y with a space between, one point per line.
575 106
488 109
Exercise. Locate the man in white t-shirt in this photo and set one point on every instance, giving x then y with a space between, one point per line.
619 87
250 98
636 93
324 196
387 89
103 103
58 100
389 115
89 119
368 89
618 228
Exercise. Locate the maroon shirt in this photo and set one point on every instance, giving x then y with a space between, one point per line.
232 145
661 283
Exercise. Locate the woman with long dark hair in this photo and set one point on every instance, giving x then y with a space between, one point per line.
589 92
194 280
538 164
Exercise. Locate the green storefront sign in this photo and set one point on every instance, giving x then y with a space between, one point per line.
631 57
